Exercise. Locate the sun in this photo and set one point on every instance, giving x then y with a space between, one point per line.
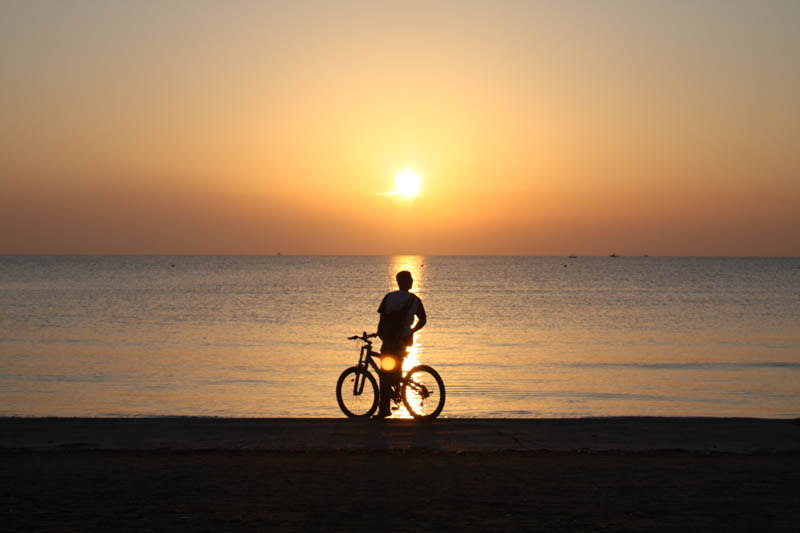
407 184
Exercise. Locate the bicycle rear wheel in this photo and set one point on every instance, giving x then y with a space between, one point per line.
357 393
423 392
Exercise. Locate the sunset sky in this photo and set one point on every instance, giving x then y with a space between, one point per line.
537 128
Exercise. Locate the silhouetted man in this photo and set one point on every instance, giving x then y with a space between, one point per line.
397 310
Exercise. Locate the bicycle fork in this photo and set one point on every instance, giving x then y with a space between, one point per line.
361 377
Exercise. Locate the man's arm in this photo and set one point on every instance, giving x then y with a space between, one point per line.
422 318
381 310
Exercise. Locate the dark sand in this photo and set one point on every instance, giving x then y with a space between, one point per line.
655 474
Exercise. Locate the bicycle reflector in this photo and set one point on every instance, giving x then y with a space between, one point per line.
388 363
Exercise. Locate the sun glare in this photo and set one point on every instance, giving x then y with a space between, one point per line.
407 183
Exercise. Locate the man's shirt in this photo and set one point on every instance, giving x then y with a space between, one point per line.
396 301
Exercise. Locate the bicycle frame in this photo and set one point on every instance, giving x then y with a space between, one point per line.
365 360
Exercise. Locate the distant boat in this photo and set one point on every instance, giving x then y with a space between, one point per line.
572 256
613 255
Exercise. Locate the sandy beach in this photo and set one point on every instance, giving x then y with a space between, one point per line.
613 474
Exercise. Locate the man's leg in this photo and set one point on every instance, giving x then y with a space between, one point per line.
390 378
388 381
386 394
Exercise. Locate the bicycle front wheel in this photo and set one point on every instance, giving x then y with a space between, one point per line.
357 393
423 392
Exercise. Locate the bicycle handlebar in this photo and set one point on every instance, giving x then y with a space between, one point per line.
363 336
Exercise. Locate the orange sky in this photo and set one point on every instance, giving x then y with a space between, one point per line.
538 128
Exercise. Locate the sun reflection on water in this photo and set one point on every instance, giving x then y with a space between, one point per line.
414 264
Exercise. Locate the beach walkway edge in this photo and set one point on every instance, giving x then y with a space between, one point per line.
732 435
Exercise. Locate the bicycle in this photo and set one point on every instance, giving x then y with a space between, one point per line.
421 389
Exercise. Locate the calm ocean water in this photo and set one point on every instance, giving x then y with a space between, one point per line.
264 336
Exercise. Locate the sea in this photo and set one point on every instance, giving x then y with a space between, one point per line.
512 337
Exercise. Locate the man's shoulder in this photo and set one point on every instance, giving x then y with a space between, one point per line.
394 295
399 297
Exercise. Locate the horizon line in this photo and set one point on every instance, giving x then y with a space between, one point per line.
313 254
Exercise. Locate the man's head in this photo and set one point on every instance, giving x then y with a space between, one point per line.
404 280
